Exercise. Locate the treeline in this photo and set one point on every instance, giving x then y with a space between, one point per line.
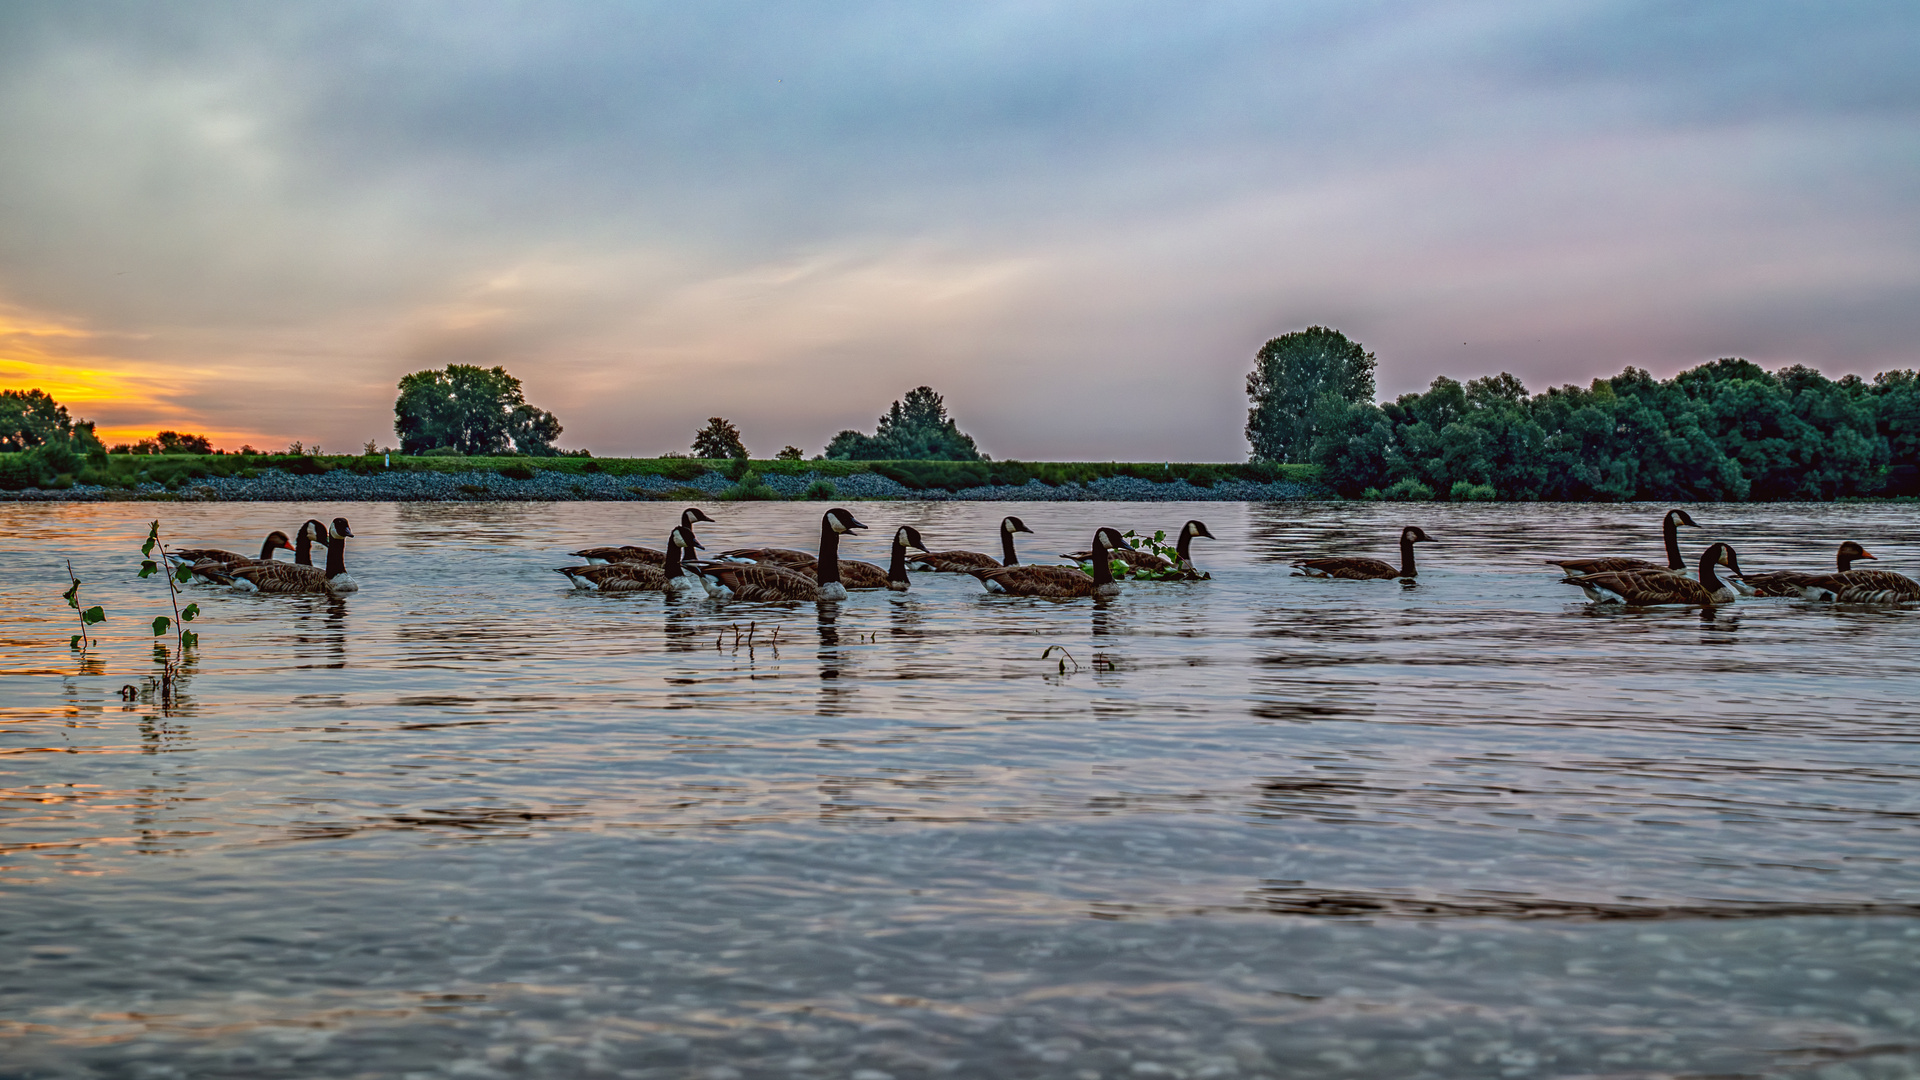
1721 432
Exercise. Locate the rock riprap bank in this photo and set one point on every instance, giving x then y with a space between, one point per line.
342 485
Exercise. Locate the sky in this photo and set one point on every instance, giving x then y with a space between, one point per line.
1078 222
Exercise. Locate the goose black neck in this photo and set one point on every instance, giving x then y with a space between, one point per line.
827 570
1670 532
897 569
673 558
1708 560
303 546
1845 562
1007 557
1102 562
1180 546
267 549
336 557
1406 557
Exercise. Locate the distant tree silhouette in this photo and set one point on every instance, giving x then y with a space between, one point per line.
915 428
719 439
473 410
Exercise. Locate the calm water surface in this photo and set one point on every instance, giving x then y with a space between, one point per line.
467 823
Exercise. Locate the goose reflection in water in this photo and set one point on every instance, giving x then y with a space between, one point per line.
321 631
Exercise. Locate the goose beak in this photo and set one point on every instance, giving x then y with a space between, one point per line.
1866 555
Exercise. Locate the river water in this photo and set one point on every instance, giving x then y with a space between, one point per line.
468 823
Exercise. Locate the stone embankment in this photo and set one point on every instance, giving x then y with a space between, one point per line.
342 485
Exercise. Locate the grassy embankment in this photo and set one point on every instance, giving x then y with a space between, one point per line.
127 471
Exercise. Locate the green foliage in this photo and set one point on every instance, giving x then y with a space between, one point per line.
174 442
789 453
822 491
473 410
517 472
88 616
719 440
1722 431
1292 375
750 488
1151 545
40 444
915 428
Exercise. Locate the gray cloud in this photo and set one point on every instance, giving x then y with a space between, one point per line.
655 213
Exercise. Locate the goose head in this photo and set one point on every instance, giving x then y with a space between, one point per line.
1198 528
840 520
1111 538
1721 554
1014 525
1680 517
1854 552
277 540
692 514
340 527
680 539
908 537
1414 534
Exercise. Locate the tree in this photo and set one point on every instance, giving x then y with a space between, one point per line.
175 442
1289 376
915 428
719 439
473 410
30 418
789 453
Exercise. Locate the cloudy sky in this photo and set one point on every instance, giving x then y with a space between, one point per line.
1077 221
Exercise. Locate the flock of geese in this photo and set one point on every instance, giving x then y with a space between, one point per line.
782 574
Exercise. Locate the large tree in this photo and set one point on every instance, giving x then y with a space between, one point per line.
915 428
719 440
474 410
1290 376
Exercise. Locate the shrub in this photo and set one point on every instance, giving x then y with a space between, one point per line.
441 451
821 491
16 472
750 489
517 471
1468 491
1407 489
684 469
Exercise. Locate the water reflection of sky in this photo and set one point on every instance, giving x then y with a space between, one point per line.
1256 822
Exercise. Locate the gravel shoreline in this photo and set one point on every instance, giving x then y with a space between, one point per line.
341 485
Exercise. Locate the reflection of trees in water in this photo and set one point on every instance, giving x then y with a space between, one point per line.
479 526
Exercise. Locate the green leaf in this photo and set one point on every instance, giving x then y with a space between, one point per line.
148 569
183 574
188 639
93 615
192 611
1159 536
160 624
147 548
73 642
73 595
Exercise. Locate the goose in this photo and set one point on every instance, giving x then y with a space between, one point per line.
864 575
1357 568
279 577
302 553
630 577
1660 587
965 562
1060 582
628 553
1790 582
1863 587
726 580
218 557
1147 560
1669 526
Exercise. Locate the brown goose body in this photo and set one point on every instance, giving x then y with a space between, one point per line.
1661 587
279 577
1060 582
1357 568
629 553
275 541
1149 562
1863 587
638 577
765 581
1613 564
1794 582
786 558
966 562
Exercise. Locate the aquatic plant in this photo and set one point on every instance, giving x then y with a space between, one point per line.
175 577
88 616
